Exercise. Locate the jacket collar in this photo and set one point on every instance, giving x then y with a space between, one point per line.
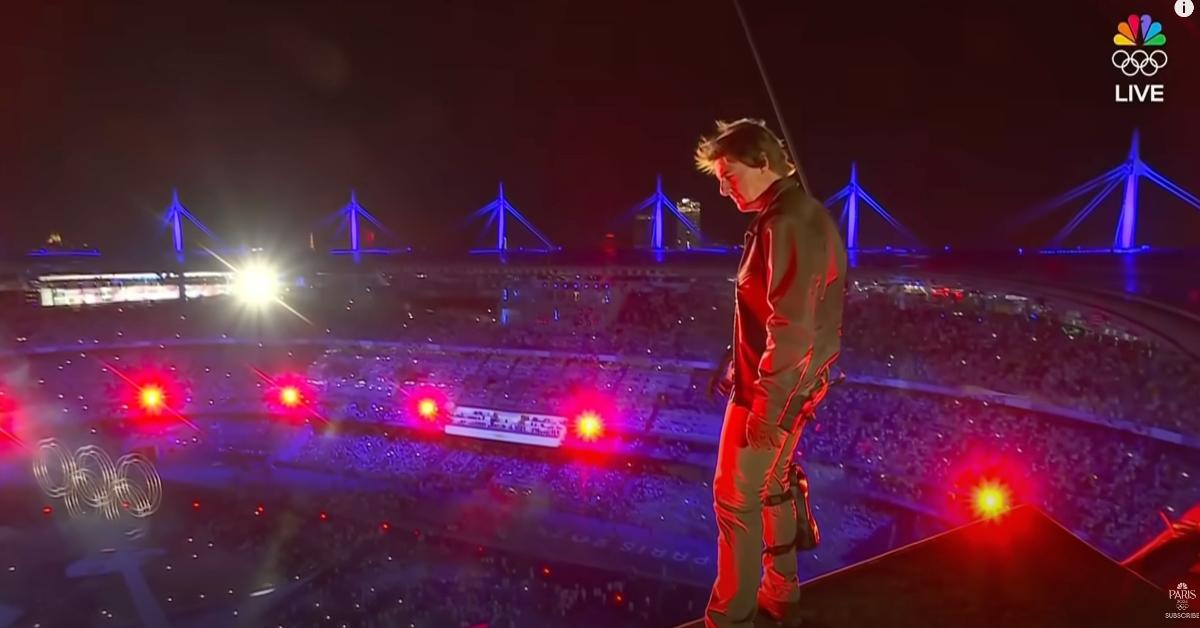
768 198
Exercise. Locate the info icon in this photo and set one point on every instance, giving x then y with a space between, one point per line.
1184 8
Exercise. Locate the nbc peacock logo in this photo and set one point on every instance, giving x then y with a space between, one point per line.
1139 30
1139 54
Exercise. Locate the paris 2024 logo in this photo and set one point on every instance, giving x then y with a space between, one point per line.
1183 596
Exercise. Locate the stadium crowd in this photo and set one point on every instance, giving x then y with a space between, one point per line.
984 340
648 350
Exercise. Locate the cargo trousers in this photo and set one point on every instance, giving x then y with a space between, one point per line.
761 519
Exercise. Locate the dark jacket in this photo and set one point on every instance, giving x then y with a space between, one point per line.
787 320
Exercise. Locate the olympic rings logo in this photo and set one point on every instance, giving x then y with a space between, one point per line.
89 480
1139 61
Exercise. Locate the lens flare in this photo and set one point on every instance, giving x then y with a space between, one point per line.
290 396
990 499
257 284
152 398
589 426
427 408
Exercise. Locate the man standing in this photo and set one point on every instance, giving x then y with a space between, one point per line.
787 328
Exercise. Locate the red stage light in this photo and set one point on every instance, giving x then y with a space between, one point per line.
8 420
426 405
290 396
986 485
195 505
323 516
990 499
47 510
591 416
152 398
427 408
151 393
385 526
259 511
7 405
589 426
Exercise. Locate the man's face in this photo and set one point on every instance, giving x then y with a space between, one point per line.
741 183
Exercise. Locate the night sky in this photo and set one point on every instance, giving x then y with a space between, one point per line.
959 114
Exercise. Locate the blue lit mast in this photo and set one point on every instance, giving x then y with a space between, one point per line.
656 203
351 214
174 216
853 193
1129 172
498 211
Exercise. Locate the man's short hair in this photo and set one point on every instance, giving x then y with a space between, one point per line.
748 141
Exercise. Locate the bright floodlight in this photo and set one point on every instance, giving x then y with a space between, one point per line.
589 426
990 499
151 398
289 396
257 284
427 408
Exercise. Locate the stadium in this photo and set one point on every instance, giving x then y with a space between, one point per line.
233 395
535 439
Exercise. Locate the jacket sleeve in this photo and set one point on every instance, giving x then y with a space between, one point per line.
793 254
